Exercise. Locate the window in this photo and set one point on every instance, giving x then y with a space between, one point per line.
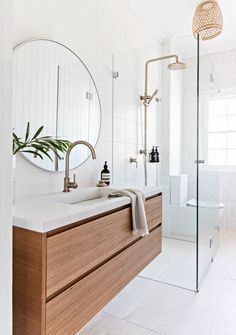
222 131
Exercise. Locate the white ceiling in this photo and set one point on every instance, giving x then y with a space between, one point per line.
172 18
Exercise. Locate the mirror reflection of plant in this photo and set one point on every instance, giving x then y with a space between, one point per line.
39 146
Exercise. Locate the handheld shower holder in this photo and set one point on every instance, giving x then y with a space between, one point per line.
143 152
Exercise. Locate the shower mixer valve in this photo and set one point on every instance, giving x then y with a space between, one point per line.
148 98
143 152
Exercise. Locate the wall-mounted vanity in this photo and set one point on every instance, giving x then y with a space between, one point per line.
73 253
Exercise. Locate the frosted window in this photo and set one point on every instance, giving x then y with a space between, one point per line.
217 141
217 157
217 124
217 107
231 123
222 131
231 157
231 140
232 106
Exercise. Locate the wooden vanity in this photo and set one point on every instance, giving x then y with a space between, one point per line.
64 277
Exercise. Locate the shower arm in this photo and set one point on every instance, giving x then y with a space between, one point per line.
146 97
146 100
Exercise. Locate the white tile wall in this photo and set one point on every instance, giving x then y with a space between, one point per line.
128 113
95 30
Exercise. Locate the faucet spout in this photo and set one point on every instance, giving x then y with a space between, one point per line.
72 184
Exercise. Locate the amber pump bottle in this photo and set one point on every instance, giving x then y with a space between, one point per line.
105 174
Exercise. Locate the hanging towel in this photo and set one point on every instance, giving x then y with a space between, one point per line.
139 220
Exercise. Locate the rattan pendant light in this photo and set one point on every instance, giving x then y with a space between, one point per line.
207 20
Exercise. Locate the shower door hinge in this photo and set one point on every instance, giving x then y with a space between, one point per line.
200 161
211 242
89 95
115 74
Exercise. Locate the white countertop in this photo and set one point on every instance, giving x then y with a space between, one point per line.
43 213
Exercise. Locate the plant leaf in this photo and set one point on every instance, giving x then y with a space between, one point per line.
19 147
43 150
27 132
37 133
42 145
16 138
51 143
32 152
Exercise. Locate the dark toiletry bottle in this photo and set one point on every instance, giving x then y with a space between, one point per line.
152 155
157 155
105 175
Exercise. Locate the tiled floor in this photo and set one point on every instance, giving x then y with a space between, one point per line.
178 257
147 307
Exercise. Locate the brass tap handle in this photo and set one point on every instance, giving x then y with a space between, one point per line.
72 184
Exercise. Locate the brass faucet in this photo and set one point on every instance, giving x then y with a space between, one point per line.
72 184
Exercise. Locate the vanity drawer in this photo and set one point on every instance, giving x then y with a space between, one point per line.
154 211
72 309
73 253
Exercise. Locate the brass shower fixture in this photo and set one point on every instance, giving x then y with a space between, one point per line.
146 98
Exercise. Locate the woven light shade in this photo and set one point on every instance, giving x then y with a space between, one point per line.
207 20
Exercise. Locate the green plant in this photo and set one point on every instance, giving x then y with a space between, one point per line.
39 146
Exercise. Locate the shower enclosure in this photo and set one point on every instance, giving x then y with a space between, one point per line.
177 121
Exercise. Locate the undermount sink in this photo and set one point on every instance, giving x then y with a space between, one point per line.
80 195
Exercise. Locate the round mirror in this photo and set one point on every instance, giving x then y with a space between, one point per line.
53 88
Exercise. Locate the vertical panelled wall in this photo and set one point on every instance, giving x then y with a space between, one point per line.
5 168
95 30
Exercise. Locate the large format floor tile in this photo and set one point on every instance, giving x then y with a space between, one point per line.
167 309
176 265
148 307
224 322
225 262
105 324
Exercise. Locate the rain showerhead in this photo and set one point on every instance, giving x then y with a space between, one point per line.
146 98
177 66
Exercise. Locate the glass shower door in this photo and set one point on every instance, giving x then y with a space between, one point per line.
208 204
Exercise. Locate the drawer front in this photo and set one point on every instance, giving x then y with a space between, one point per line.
76 251
72 309
154 211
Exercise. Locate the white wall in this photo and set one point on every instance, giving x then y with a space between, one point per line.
95 30
5 169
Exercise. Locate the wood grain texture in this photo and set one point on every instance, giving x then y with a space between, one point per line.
89 219
89 263
153 209
29 282
72 309
78 250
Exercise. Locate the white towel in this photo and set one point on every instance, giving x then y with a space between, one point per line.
139 220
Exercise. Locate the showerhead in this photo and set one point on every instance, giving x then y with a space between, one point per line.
177 66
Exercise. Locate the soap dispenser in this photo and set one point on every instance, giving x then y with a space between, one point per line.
157 155
105 174
152 155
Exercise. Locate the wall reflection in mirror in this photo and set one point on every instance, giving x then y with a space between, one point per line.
53 88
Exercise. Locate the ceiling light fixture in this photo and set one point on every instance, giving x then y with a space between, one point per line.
207 20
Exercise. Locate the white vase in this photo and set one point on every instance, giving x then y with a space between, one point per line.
13 178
